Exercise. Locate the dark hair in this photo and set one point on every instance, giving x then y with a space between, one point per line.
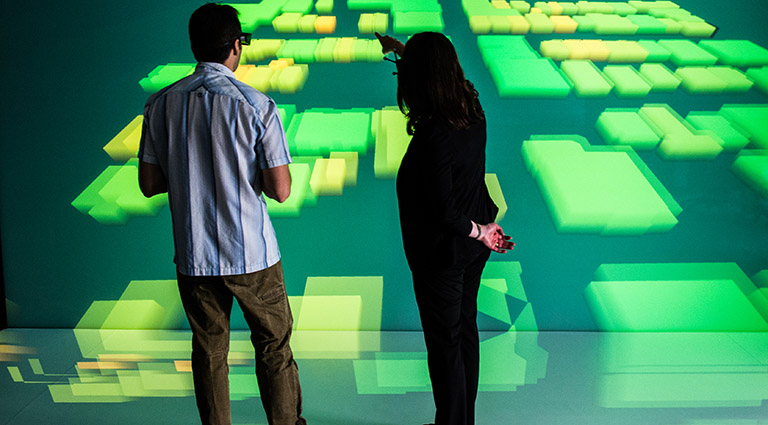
431 84
213 29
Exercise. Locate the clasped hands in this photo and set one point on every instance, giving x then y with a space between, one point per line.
493 237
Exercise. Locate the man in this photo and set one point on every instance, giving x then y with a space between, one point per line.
215 144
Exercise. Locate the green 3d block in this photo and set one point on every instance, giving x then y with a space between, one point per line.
738 53
391 142
627 82
291 79
300 50
595 7
494 189
735 80
342 53
751 119
165 75
260 78
298 6
324 6
307 24
546 8
480 24
540 23
604 190
373 22
660 77
254 15
125 145
760 77
687 53
673 27
698 80
733 138
500 24
325 49
646 6
612 24
622 51
287 23
697 29
585 23
328 177
647 24
114 197
709 297
564 24
163 292
587 79
413 22
329 312
751 166
656 53
520 6
320 132
626 127
368 5
679 139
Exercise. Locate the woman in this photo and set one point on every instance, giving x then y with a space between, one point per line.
446 213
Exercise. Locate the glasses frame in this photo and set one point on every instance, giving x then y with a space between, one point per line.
245 38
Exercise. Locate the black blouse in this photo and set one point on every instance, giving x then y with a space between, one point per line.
440 188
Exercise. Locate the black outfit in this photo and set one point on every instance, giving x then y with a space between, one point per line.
441 190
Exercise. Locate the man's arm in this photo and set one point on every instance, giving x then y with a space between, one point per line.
152 180
277 182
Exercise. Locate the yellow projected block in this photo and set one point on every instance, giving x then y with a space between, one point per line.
342 53
259 50
391 142
125 145
287 23
623 51
291 79
576 49
555 49
328 177
281 63
564 24
329 313
325 24
307 24
260 78
519 25
480 24
135 314
494 189
500 24
598 51
351 162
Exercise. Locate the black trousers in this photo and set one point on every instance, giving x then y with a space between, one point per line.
447 301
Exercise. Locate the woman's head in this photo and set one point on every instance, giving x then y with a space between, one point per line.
431 83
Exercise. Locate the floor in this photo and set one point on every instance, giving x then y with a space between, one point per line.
56 376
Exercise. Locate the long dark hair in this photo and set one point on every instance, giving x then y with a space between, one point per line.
431 84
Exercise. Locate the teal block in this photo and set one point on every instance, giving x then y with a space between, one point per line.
738 53
660 77
687 53
760 77
751 119
751 166
734 139
587 79
627 81
626 127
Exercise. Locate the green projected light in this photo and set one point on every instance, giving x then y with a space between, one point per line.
598 189
695 297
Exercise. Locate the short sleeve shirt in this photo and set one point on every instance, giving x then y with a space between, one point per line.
212 136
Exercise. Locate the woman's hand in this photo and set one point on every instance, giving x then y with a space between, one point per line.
493 237
389 44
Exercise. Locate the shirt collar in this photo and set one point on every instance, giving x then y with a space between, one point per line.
213 67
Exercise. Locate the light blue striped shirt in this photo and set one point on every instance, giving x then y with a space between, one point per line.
212 136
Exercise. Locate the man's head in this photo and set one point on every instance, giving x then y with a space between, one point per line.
214 31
